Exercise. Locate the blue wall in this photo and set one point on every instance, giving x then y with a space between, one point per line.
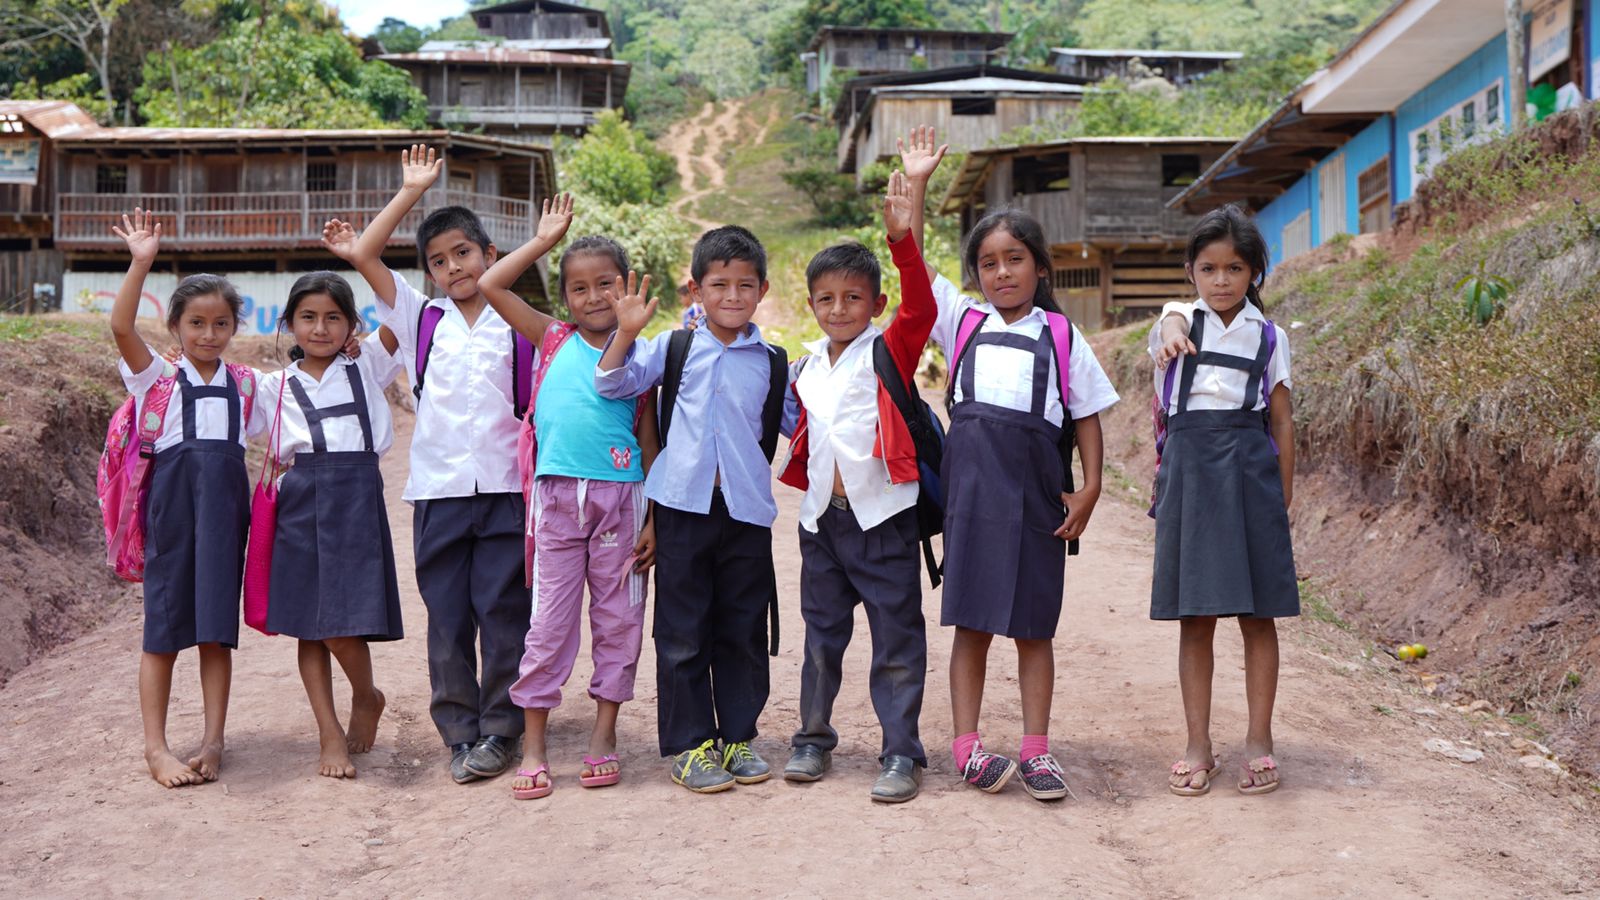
1361 153
1471 75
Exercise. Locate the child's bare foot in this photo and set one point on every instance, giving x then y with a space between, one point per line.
364 715
335 761
168 771
208 762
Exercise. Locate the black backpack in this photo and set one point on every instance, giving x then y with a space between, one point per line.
927 435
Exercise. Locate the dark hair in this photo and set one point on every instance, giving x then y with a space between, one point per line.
849 257
1026 229
199 286
1230 223
724 245
445 219
323 282
590 245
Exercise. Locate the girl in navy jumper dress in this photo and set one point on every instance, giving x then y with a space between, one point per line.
1223 488
198 512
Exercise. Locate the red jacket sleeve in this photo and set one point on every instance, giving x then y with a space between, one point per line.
913 323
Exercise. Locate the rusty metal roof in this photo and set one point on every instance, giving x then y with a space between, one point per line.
500 55
55 118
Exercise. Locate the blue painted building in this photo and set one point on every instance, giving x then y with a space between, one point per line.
1358 136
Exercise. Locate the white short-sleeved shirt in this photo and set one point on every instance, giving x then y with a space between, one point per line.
1219 387
210 413
466 437
377 370
1003 376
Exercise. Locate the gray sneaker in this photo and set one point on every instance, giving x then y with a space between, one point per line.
808 763
744 764
699 771
899 781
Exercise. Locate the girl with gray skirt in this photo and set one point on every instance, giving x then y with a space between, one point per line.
1223 487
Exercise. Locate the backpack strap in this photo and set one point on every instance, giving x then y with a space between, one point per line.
915 415
971 320
521 373
427 323
153 413
555 337
246 377
1061 337
1269 336
772 413
672 377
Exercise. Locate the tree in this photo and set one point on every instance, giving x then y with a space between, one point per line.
790 38
398 35
83 24
613 164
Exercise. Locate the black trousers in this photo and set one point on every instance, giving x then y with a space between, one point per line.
714 584
469 553
841 566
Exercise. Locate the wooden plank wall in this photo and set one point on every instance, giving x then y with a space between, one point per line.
20 270
896 114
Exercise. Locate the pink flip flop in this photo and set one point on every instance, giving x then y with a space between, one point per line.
537 791
1255 767
592 781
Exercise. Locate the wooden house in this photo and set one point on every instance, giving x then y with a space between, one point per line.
546 25
971 107
877 51
1181 67
30 266
1116 247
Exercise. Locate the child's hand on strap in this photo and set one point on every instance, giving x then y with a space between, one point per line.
633 311
897 207
644 552
419 168
555 219
1174 341
339 238
1080 506
919 156
142 234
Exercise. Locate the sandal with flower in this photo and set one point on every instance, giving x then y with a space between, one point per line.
1250 776
1183 779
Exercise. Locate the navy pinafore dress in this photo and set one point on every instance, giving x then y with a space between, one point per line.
1222 530
197 521
1003 476
333 569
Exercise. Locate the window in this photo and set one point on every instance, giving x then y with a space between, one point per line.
111 178
1297 235
883 42
1491 112
971 106
1331 198
1040 174
1075 279
1469 121
1372 187
1179 169
1472 121
322 176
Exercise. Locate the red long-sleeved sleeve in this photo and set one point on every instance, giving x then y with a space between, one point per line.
913 322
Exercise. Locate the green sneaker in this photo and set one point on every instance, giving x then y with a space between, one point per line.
743 764
698 770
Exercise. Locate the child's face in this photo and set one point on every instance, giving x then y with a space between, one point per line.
587 278
455 263
1221 275
1007 271
844 305
730 291
319 327
205 328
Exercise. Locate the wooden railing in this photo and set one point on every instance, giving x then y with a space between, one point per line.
273 219
900 60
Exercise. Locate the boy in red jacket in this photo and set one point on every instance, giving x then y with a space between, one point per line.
852 454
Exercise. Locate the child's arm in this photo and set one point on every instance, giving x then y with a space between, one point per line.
496 283
623 373
919 157
378 358
1282 422
908 333
143 237
1171 340
644 551
419 169
1080 504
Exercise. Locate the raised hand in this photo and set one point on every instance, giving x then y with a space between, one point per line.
633 310
142 234
897 205
554 219
919 155
419 168
339 238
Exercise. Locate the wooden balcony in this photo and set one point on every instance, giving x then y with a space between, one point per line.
903 60
276 221
551 117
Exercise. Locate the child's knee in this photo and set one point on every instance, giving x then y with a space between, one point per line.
1253 627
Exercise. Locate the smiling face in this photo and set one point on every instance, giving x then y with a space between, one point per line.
585 279
205 327
729 292
844 305
1007 271
1221 275
455 263
320 328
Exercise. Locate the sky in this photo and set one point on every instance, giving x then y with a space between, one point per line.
362 16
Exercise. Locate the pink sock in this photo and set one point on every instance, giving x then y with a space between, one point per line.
1034 745
962 748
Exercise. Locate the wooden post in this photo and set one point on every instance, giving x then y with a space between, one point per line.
608 88
560 99
516 89
1516 65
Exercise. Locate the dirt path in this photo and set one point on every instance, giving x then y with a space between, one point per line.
1365 811
698 145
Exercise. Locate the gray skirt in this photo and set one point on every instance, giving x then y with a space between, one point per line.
332 558
1222 531
197 520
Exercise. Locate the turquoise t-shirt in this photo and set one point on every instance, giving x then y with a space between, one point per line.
580 433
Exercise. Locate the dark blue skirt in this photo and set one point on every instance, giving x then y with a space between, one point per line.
1222 531
332 558
196 523
1004 566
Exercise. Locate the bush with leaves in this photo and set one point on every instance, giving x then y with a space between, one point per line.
656 238
613 164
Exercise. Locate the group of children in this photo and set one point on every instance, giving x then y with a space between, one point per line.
556 456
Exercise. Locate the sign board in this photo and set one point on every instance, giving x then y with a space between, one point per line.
19 161
264 294
1549 38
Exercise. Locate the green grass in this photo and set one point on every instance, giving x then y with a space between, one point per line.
1316 602
21 329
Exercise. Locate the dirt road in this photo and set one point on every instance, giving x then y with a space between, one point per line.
1364 810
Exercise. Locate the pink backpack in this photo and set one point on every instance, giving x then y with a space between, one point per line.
123 479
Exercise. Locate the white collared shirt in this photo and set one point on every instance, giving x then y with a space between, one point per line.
842 425
377 370
466 437
1003 376
210 413
1219 387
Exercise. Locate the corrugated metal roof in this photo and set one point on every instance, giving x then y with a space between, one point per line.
56 118
1149 54
975 167
983 85
501 55
556 44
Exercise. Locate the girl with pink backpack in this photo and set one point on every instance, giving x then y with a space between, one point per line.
188 494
